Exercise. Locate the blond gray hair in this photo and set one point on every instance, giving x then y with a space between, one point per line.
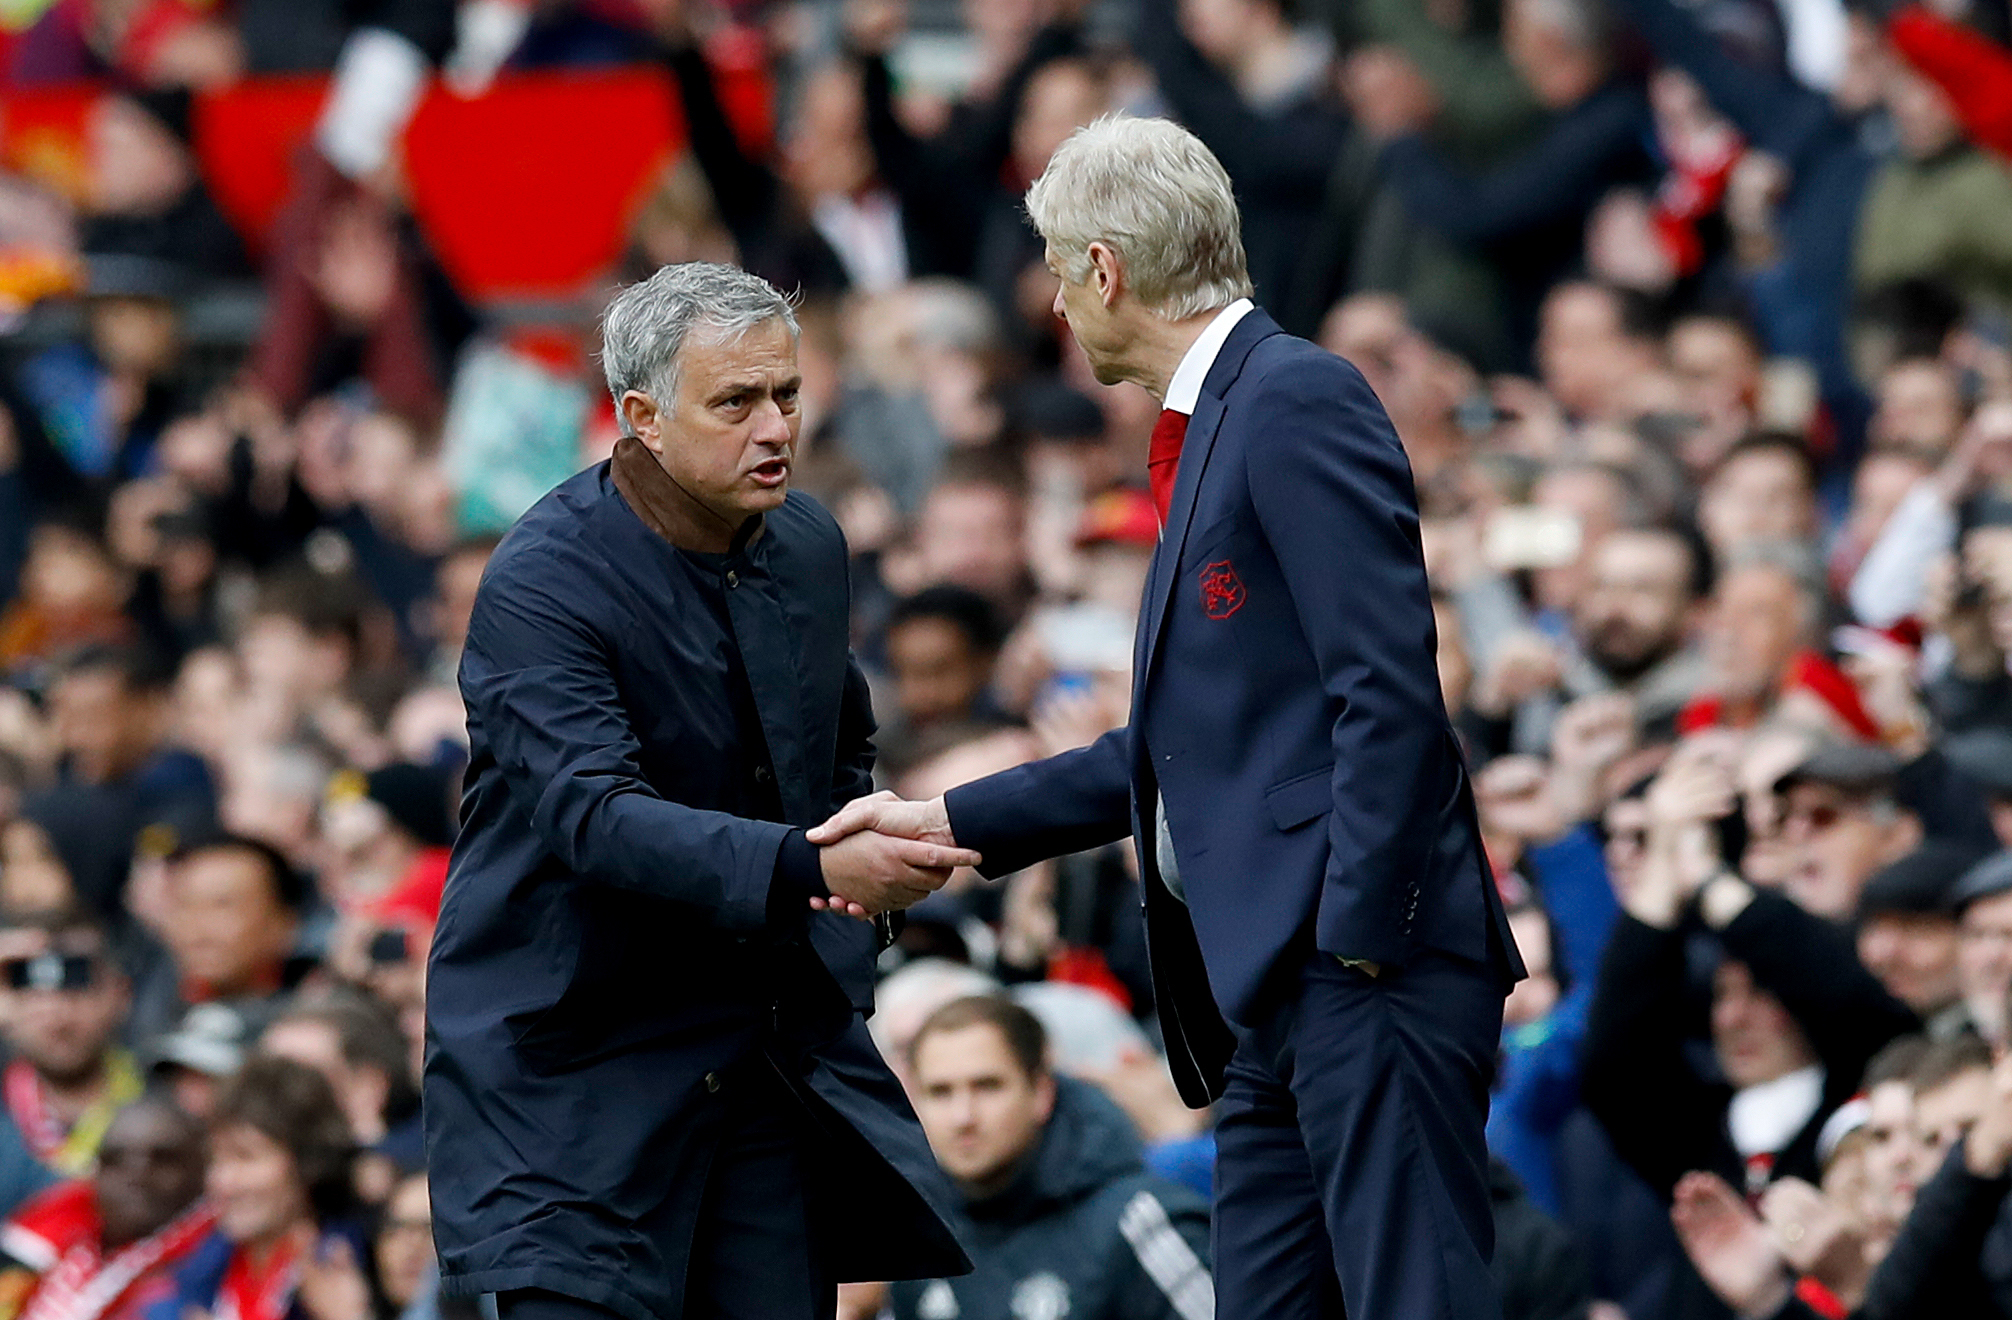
1151 192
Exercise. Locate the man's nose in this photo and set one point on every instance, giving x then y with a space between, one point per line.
771 427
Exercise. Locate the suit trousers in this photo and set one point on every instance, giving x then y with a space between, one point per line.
1351 1155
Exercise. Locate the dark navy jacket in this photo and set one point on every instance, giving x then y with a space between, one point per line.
1083 1231
1285 701
606 965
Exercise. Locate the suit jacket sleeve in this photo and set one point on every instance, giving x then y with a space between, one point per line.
1334 499
1065 804
852 775
539 681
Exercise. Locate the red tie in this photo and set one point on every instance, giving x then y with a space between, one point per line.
1164 458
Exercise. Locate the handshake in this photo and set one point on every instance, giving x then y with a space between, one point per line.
881 854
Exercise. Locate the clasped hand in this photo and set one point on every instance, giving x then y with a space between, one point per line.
882 854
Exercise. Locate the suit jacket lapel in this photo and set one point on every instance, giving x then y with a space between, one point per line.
1196 447
1195 450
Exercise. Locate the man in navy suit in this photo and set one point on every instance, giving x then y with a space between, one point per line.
1312 863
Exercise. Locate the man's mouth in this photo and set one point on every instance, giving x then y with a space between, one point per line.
773 472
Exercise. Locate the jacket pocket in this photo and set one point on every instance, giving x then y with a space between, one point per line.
1302 798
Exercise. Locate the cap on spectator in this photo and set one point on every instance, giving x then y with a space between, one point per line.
1853 767
1988 879
1985 755
1120 517
416 797
1920 882
210 1039
1848 1118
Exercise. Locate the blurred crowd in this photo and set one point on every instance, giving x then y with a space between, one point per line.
1695 320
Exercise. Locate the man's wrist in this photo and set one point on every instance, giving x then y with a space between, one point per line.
798 877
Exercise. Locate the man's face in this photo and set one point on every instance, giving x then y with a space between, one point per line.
1835 841
728 438
1579 334
150 1166
226 923
1758 622
1757 1041
973 535
1758 495
1892 1153
1065 95
1914 956
64 1033
1627 825
1923 118
938 673
1920 408
982 1113
1637 604
1984 953
1942 1114
100 724
1715 362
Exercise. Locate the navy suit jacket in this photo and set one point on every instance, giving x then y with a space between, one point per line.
607 964
1286 705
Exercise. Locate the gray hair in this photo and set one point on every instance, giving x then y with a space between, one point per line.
1585 23
648 323
1149 190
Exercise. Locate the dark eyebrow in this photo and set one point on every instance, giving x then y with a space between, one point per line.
733 388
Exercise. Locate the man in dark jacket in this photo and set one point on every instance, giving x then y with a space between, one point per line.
649 1088
1060 1214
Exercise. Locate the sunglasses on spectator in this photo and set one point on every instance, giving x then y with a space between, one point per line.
51 971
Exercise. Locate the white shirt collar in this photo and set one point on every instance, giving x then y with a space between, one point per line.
1185 389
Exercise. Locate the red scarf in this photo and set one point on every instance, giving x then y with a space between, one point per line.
264 1291
61 1235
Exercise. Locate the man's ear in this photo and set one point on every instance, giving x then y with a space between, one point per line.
642 419
1107 273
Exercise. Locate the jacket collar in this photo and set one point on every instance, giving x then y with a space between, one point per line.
655 499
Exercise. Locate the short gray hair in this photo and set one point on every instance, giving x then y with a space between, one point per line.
1149 190
647 324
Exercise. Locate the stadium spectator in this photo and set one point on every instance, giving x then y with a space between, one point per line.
1062 1217
232 925
1908 935
278 1178
66 1005
107 1247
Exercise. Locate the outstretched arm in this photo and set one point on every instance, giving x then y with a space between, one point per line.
540 686
1067 803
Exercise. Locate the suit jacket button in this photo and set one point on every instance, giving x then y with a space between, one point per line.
712 1081
764 775
733 578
